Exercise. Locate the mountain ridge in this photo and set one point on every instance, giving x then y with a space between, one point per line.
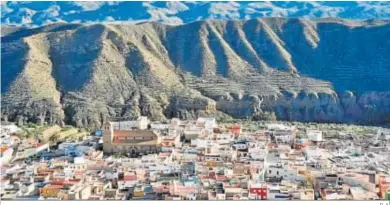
258 68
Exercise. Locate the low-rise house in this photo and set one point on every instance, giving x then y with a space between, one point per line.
314 135
358 193
384 186
6 154
207 123
8 128
51 190
231 192
27 189
334 194
192 133
355 179
129 180
275 193
183 189
235 130
307 194
80 192
110 194
257 190
301 143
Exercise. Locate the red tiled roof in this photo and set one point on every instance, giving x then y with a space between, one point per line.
80 172
220 178
133 133
54 186
164 154
161 189
235 127
125 136
130 178
165 144
3 149
55 180
72 181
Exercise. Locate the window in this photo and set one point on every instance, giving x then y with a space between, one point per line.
269 171
277 172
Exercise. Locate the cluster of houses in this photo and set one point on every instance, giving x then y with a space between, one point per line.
197 160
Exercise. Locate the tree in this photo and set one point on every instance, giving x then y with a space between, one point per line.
309 181
264 116
54 138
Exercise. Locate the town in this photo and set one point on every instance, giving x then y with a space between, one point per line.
199 159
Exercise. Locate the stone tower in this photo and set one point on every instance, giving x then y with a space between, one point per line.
107 137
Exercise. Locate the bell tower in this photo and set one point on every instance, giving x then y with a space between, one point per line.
108 132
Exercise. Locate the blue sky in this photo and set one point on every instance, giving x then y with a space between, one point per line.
41 13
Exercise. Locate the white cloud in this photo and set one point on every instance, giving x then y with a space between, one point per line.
70 12
26 20
229 9
89 5
259 5
109 18
161 16
76 21
176 7
250 10
54 11
112 3
169 12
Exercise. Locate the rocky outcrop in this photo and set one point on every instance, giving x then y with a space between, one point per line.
324 70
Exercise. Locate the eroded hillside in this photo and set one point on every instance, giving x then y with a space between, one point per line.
291 69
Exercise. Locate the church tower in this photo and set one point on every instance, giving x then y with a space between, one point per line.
108 132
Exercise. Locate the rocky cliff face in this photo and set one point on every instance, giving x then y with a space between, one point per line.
322 70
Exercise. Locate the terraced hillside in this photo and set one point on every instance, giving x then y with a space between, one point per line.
292 69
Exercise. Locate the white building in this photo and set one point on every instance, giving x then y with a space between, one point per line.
256 153
125 184
383 133
224 138
272 159
274 193
283 138
240 146
141 123
5 155
280 127
275 171
175 122
159 126
314 135
9 129
207 123
284 173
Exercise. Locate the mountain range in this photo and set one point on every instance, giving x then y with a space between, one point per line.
181 12
323 70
